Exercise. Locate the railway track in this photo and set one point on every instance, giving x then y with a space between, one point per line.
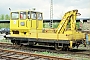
19 55
30 49
42 49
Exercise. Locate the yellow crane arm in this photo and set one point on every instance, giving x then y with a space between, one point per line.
69 16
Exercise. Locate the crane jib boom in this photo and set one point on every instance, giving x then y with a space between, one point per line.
69 16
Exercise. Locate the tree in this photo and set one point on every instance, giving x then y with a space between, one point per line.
2 17
7 17
55 25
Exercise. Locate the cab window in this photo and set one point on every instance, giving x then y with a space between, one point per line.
33 15
39 16
22 15
15 15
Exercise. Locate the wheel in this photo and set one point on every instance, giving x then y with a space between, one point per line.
57 47
1 32
6 33
17 42
13 41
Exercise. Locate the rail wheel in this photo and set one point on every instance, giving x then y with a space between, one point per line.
13 41
57 47
17 42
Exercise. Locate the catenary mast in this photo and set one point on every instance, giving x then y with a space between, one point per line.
51 14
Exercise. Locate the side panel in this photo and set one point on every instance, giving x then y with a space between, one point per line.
22 24
29 24
33 24
40 24
14 24
52 36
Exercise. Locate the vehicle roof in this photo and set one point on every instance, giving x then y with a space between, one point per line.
26 11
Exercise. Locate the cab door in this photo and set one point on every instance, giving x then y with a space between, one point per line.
34 24
23 20
14 20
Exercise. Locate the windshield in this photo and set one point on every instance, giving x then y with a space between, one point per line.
15 15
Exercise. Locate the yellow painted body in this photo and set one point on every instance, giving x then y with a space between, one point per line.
29 25
51 36
33 28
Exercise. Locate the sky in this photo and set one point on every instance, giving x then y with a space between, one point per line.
59 7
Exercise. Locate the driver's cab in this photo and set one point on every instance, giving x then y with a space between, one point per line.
25 21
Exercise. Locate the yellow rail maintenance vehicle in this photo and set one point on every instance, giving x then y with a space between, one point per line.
27 27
